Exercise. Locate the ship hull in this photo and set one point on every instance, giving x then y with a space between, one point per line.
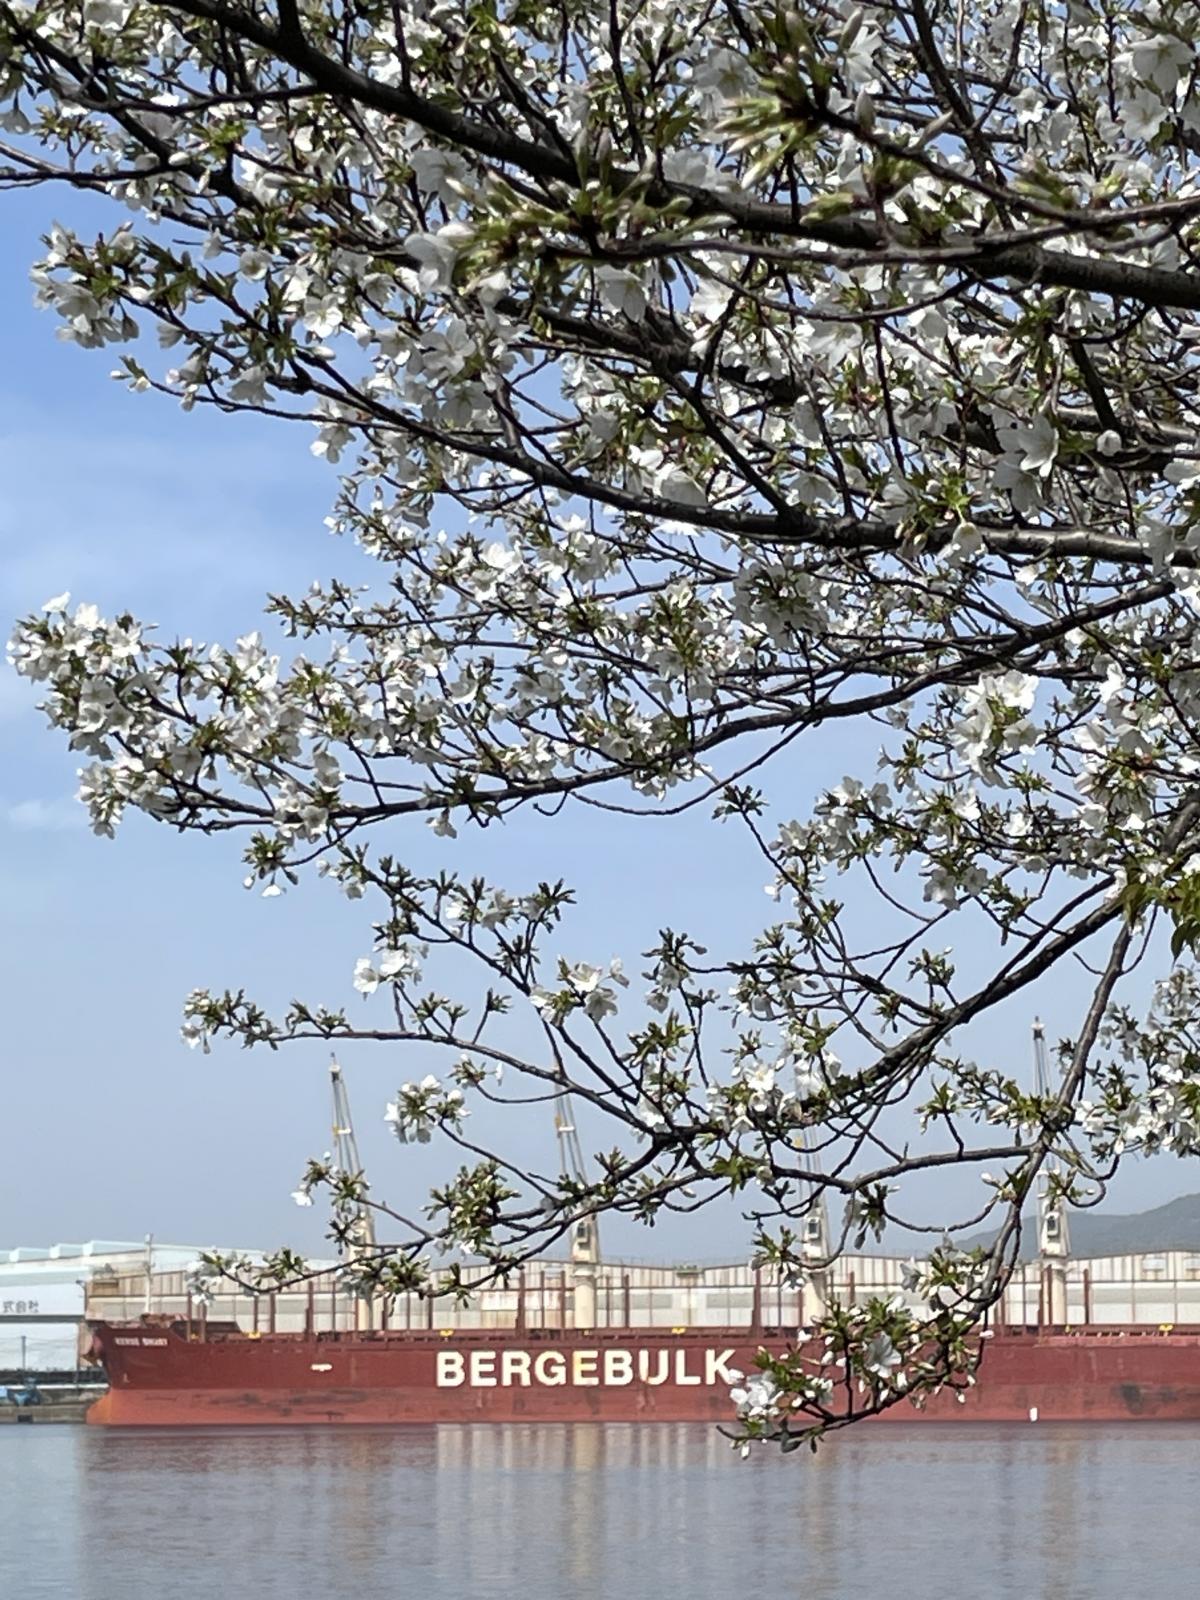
160 1377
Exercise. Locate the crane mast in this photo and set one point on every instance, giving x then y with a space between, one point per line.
814 1245
814 1238
345 1151
1054 1245
585 1231
361 1240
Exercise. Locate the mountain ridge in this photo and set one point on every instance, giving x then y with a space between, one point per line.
1173 1226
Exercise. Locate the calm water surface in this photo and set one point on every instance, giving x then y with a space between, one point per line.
451 1513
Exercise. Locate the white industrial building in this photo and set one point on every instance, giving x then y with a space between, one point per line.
44 1290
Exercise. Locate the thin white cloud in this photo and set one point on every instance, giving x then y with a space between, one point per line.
43 816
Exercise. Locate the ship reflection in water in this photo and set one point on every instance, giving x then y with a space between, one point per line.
584 1511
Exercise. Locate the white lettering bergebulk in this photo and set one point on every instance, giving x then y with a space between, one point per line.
550 1368
483 1369
451 1369
583 1368
684 1378
662 1368
514 1367
618 1368
715 1368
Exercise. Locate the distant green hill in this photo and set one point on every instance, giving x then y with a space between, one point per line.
1175 1226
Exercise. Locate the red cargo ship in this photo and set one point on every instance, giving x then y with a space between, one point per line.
171 1371
159 1375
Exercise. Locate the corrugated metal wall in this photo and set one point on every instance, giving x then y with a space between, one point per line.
1151 1289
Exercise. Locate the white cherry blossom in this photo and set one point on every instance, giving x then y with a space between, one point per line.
782 427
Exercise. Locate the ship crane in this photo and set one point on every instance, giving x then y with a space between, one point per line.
585 1230
814 1243
1054 1244
361 1240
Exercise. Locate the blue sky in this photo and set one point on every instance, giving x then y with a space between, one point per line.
113 1128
